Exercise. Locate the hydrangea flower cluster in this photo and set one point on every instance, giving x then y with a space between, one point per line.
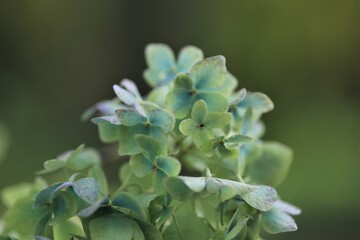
196 167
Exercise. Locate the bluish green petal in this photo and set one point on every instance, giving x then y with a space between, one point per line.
209 73
141 165
188 127
162 118
159 56
126 200
64 207
257 101
276 221
153 76
217 119
150 145
107 127
180 103
158 134
199 111
169 165
126 136
183 82
188 56
201 136
88 189
130 117
216 102
108 132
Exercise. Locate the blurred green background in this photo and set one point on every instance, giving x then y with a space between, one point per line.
59 57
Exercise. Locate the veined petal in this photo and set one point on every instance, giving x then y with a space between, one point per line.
209 73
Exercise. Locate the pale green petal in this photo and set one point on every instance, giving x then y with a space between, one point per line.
202 135
188 127
199 111
272 166
217 119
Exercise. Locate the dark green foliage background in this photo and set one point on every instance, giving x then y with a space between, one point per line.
59 57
